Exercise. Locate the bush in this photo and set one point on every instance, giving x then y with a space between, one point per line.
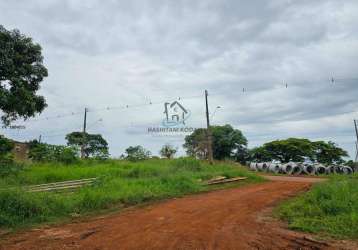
43 152
68 155
6 145
8 166
137 153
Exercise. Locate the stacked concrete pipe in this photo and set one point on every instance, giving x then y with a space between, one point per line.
261 166
253 166
320 169
346 170
265 167
288 168
308 168
275 168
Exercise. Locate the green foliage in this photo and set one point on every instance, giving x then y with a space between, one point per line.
187 163
21 72
196 144
296 149
330 208
94 145
328 152
6 145
227 143
353 165
137 153
7 165
42 152
260 154
168 151
120 183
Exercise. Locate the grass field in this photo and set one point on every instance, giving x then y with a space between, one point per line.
120 183
330 208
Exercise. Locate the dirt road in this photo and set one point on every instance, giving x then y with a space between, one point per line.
226 219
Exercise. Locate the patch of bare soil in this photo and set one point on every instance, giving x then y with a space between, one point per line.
226 219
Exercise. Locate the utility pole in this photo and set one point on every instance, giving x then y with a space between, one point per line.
356 129
84 134
40 137
208 131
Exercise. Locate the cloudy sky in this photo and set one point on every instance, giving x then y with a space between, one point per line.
107 54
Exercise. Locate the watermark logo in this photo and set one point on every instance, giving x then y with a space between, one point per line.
14 127
175 114
174 121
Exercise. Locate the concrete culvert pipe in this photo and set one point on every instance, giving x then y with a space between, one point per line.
308 169
337 169
297 169
253 166
288 168
275 168
346 170
259 166
320 169
330 169
265 166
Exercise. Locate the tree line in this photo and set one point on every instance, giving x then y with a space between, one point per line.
229 143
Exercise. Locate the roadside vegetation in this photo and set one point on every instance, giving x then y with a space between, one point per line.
330 208
119 183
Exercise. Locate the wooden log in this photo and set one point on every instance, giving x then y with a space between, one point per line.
226 180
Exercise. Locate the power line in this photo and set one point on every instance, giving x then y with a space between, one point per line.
332 80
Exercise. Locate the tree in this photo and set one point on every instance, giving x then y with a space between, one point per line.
296 149
292 149
196 144
227 142
43 152
94 145
137 153
260 154
168 151
6 145
328 152
6 156
21 72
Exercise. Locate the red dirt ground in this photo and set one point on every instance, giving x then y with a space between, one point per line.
227 219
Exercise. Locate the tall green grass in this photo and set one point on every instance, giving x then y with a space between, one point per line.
119 183
329 208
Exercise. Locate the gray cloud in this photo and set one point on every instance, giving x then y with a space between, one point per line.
133 52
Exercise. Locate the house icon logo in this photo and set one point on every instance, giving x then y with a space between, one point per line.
175 114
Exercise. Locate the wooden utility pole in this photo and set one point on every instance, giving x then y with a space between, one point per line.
356 129
40 137
208 131
84 134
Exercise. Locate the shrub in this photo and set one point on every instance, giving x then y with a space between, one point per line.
8 166
168 151
137 153
43 152
6 145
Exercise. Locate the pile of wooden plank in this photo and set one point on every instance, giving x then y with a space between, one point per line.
60 186
223 179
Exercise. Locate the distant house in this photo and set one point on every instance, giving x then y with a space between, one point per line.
175 112
21 151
